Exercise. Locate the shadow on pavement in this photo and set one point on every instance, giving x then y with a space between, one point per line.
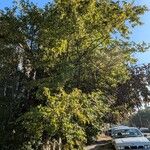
102 145
107 146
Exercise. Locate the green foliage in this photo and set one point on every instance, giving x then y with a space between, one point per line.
87 43
63 115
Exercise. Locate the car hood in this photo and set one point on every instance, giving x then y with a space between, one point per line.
135 140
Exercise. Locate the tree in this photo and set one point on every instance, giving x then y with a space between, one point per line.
131 95
64 63
139 84
141 118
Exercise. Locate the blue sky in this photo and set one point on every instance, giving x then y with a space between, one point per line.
141 33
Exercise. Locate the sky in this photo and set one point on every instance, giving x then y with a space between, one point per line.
142 33
139 34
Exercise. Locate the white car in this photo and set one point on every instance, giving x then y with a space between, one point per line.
111 130
130 138
146 132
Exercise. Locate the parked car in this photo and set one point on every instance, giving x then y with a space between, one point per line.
146 132
109 132
130 138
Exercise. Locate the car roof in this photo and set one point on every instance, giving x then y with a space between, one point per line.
120 127
126 128
133 128
144 128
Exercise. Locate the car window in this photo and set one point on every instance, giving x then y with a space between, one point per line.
122 133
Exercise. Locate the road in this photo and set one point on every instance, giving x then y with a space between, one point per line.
107 146
103 143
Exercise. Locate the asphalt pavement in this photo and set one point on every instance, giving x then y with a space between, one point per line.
100 145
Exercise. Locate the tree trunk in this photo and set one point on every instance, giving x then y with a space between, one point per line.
59 144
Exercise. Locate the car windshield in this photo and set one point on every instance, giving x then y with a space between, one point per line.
123 133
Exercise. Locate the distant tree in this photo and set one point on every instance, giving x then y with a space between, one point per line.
141 118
